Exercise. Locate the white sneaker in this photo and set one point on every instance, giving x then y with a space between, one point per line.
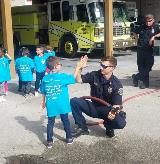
3 99
36 94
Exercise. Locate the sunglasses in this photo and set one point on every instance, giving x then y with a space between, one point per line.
105 66
149 20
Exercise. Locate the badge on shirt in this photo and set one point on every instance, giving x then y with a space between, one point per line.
120 91
152 30
109 90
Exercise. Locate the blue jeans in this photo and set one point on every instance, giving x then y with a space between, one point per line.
66 125
80 106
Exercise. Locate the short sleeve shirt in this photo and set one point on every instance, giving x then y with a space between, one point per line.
108 90
48 54
4 69
24 66
145 34
55 88
40 63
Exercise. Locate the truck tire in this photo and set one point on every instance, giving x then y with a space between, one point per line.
68 47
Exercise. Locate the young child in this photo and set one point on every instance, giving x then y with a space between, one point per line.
25 68
4 73
54 88
6 83
49 52
40 66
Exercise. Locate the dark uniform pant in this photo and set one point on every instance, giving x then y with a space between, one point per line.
79 106
145 61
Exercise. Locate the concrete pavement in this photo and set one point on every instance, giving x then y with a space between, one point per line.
23 124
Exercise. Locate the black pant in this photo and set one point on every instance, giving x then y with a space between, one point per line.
20 85
39 77
26 86
79 106
145 61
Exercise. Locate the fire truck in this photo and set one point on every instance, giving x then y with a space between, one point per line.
78 26
30 25
70 26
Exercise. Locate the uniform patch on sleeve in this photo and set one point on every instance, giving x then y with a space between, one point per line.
120 91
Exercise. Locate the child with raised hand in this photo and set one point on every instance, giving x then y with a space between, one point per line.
40 67
4 72
54 88
25 68
49 51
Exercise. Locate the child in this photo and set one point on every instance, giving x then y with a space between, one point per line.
4 73
54 88
40 66
6 83
49 52
25 68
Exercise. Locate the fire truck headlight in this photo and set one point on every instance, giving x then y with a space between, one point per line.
101 31
128 31
96 32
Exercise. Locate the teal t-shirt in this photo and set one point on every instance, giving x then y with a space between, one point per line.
24 66
49 53
55 88
40 63
5 69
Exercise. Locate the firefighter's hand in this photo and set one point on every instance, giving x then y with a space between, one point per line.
111 116
151 41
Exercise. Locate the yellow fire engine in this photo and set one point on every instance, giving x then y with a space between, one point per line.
30 25
78 26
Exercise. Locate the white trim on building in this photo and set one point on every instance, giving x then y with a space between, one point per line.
20 2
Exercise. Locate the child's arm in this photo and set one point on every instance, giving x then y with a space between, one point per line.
43 103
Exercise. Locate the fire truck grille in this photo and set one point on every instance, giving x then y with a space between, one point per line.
118 30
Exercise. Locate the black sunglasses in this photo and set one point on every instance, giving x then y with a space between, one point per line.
105 66
149 20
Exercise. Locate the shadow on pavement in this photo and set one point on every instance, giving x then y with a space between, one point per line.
33 126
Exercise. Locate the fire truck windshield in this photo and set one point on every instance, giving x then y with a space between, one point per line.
96 11
120 12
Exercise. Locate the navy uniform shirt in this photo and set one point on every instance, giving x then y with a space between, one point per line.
108 90
145 34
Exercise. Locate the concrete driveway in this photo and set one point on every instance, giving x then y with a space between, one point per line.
23 125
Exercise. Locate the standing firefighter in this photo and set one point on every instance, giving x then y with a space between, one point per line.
146 33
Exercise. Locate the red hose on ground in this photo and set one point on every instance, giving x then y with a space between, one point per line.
148 92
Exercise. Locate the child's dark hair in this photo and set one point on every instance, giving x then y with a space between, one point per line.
52 61
112 60
2 50
41 47
48 47
24 51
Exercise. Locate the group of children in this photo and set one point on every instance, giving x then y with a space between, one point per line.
49 81
25 67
